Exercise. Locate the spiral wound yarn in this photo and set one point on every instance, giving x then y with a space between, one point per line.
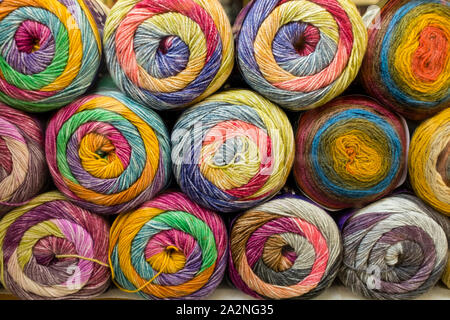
23 170
429 161
169 248
285 248
407 65
393 250
108 153
232 151
168 54
50 51
350 152
52 249
300 54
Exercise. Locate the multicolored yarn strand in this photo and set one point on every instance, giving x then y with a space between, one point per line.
232 151
168 54
393 249
407 65
300 54
50 51
52 249
285 248
23 170
350 152
107 153
169 248
429 161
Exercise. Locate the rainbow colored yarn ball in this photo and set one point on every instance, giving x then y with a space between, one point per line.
429 161
407 65
393 250
168 54
232 151
52 249
285 248
169 248
50 51
300 54
108 153
350 152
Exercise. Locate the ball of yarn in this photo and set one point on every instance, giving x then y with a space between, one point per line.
52 249
168 54
23 170
393 250
50 51
407 65
107 153
169 248
429 161
300 54
285 248
232 151
350 152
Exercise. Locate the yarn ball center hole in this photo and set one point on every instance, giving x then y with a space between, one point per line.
443 164
169 260
165 44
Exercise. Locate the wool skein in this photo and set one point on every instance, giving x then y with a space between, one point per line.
232 151
52 249
407 65
23 170
169 248
429 161
285 248
350 152
108 153
393 250
50 51
300 54
168 54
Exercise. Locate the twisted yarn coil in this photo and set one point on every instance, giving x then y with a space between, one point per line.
52 249
50 51
232 151
23 170
407 65
350 152
108 153
169 248
168 54
429 161
393 249
285 248
300 54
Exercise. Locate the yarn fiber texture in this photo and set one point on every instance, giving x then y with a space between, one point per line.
23 170
407 65
169 248
429 161
50 51
108 153
300 54
393 249
283 249
168 54
52 249
350 152
232 151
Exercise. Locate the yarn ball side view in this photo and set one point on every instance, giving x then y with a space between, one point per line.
169 248
52 249
350 152
50 51
232 151
407 65
300 54
108 153
283 249
168 54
